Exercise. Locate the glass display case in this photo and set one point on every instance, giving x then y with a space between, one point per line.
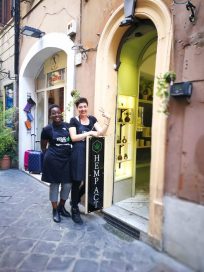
124 137
133 138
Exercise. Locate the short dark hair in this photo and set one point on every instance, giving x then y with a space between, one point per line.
81 100
51 107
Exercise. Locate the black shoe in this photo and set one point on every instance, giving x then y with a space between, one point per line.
76 216
56 216
63 211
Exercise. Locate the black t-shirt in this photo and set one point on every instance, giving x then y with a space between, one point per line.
58 138
80 128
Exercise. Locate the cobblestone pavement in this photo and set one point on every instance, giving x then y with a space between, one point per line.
31 241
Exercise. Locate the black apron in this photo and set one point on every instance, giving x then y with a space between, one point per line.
57 159
79 154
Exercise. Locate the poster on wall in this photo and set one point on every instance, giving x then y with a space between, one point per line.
9 96
95 174
56 77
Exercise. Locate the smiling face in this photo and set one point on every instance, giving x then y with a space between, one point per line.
83 109
56 115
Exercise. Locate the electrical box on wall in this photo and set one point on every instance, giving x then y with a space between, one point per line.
181 89
71 28
78 59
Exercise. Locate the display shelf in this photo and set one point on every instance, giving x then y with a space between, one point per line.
143 164
124 133
121 161
125 123
140 147
122 177
123 144
145 101
143 133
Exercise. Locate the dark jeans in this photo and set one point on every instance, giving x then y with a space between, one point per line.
77 192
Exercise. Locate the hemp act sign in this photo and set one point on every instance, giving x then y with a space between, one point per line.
95 173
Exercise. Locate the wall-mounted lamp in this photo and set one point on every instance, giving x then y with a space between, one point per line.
116 66
129 10
2 72
190 7
32 32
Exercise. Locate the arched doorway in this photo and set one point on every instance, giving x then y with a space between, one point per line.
106 96
33 82
136 72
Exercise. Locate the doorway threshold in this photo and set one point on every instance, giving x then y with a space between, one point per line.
127 221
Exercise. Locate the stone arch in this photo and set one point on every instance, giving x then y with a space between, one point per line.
42 49
106 92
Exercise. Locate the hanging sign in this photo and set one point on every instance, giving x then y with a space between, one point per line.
94 173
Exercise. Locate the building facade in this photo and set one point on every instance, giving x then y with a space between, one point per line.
8 90
154 177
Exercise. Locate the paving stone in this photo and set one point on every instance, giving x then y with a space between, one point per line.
33 233
90 252
22 245
60 264
44 247
31 242
34 262
111 253
72 236
67 249
85 266
52 235
11 259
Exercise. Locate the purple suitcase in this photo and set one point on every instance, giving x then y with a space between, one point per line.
35 161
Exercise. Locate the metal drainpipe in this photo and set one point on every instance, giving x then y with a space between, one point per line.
16 13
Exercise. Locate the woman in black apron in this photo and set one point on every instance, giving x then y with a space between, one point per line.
56 161
82 126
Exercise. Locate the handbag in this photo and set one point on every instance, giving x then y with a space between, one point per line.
28 124
30 116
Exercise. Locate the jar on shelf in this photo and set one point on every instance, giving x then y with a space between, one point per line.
127 118
125 156
124 140
120 157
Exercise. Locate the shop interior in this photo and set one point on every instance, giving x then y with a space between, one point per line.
136 68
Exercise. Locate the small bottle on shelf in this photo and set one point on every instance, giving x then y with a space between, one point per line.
125 156
127 118
120 157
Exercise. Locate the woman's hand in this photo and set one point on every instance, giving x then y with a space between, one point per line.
93 133
105 115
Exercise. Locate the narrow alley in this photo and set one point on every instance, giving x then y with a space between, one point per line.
31 241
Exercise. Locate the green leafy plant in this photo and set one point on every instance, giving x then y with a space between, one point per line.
8 141
163 92
75 95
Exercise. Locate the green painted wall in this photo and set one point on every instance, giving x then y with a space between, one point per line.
130 62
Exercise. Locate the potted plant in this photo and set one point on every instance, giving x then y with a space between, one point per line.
8 143
163 91
75 94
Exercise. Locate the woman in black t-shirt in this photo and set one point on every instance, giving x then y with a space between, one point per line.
82 126
56 161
